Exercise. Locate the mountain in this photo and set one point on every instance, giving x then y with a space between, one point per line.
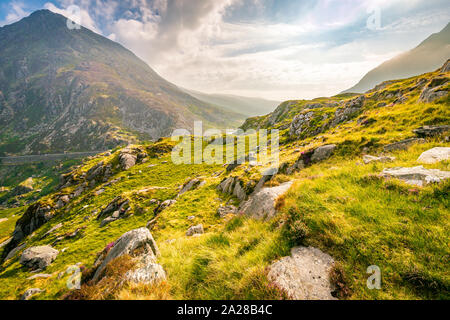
74 90
248 106
428 56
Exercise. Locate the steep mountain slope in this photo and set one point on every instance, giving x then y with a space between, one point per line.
248 106
428 56
63 89
336 203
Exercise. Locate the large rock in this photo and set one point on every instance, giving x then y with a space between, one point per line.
38 258
99 173
233 185
350 110
323 153
436 89
418 176
116 209
127 159
261 205
137 243
402 145
434 155
304 275
146 272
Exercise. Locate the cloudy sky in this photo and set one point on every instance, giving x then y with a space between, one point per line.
276 49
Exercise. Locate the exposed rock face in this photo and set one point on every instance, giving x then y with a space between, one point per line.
304 275
323 153
38 258
261 205
30 293
402 145
140 245
35 216
100 172
195 230
369 159
434 155
300 123
431 131
191 185
434 90
147 272
418 176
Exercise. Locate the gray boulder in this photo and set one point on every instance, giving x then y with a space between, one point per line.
261 205
434 155
223 211
127 160
304 275
164 205
191 185
38 258
146 272
138 243
323 153
417 176
195 230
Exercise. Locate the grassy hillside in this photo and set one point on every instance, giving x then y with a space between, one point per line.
339 205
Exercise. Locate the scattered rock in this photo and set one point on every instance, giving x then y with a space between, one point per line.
116 209
233 185
418 176
62 201
30 293
190 218
434 155
369 159
402 145
434 90
304 275
99 173
138 243
99 192
38 258
195 230
223 211
261 205
350 110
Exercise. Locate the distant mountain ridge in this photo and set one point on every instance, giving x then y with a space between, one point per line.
248 106
75 90
426 57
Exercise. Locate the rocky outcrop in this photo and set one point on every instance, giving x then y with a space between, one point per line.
262 204
350 110
34 217
370 159
304 275
300 123
100 172
195 230
446 67
418 176
38 258
140 245
434 90
434 155
30 293
116 209
234 186
23 188
431 131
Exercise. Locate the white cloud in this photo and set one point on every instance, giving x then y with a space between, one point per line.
16 12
